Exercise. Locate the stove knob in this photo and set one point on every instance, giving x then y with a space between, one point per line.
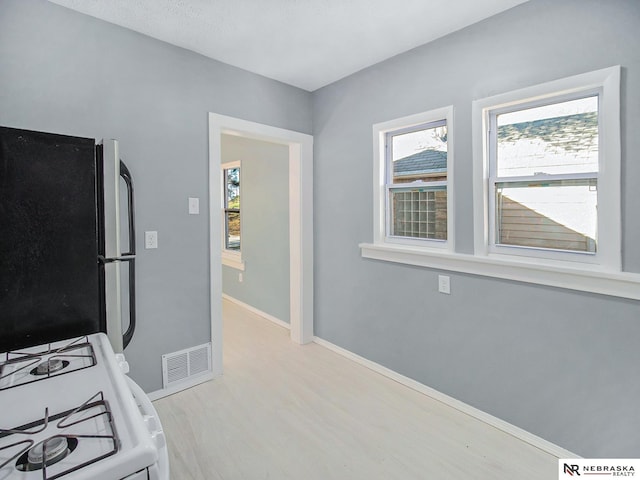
122 363
151 423
159 439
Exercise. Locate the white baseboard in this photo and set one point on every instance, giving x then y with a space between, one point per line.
191 382
260 313
506 427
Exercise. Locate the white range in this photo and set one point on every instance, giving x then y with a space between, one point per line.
68 411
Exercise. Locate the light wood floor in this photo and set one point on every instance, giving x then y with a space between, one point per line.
285 411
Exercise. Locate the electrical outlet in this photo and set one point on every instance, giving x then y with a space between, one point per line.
150 240
444 284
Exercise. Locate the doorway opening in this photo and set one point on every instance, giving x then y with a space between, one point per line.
300 147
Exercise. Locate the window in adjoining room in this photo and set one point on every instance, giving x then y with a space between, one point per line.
231 228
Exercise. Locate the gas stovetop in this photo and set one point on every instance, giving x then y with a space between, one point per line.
61 443
40 363
66 412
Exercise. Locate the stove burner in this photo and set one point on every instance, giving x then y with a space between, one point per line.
49 366
89 426
46 453
41 363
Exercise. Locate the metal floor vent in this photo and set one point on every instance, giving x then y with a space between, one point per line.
180 366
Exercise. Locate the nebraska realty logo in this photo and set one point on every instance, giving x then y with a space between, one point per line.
602 467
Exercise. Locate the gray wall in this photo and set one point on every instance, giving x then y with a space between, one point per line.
64 72
561 364
264 193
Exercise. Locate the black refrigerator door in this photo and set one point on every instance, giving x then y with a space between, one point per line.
50 285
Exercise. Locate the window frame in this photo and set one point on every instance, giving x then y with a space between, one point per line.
606 84
493 178
605 279
230 258
382 133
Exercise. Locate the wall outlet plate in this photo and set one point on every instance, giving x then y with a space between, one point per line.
151 239
444 284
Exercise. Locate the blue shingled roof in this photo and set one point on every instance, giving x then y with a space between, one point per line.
426 161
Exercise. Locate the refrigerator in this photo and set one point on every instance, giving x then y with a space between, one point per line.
67 240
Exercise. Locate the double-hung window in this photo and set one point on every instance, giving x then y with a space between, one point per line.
231 242
546 190
544 175
551 172
413 187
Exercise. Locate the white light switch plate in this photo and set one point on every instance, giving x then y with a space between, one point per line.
151 239
194 206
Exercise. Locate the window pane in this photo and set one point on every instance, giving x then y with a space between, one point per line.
419 213
551 139
232 180
557 215
420 155
232 209
232 228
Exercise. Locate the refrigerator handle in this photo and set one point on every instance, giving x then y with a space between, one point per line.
126 176
130 255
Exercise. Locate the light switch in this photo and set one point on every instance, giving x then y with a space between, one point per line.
150 239
194 206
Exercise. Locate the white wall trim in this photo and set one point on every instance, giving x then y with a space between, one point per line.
572 277
506 427
191 382
260 313
233 261
300 224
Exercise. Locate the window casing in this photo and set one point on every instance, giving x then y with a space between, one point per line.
413 189
549 180
562 269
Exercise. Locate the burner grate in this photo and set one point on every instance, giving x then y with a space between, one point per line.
75 355
66 421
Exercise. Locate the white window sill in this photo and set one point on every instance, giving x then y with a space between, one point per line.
578 277
232 260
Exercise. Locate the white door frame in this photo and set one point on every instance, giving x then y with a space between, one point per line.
300 224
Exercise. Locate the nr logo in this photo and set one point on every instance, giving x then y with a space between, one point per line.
571 469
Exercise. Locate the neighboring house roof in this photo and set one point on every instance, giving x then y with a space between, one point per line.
572 132
426 161
551 145
571 136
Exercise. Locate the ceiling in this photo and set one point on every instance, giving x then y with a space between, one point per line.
304 43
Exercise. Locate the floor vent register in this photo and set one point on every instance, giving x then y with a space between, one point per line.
178 367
